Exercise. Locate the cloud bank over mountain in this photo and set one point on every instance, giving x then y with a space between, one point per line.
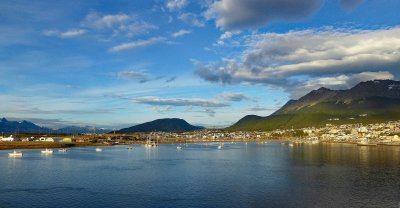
325 55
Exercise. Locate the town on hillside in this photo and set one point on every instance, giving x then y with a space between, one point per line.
368 134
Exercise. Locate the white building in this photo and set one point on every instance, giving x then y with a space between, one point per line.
8 139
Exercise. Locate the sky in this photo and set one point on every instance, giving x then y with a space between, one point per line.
118 63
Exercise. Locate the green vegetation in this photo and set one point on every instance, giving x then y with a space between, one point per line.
368 102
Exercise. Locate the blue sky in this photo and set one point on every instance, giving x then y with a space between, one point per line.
118 63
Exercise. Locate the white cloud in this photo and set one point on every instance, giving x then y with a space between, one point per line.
117 24
338 82
66 34
199 102
233 96
227 36
277 59
134 29
137 44
98 21
134 75
72 33
191 19
161 110
181 33
174 5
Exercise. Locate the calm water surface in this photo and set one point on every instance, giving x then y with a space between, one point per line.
240 175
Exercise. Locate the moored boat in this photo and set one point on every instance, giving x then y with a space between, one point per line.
47 151
99 149
15 154
62 150
221 146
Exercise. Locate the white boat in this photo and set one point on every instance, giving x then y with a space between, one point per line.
15 154
47 151
99 149
221 146
62 150
291 145
179 147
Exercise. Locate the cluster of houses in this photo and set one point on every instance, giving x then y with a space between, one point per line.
378 133
12 138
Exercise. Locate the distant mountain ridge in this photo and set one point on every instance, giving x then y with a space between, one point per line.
12 127
367 102
164 125
82 130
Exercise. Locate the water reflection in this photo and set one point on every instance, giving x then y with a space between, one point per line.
199 175
151 153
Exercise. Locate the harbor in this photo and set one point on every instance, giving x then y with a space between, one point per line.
146 177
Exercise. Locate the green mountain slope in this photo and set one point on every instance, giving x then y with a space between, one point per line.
367 102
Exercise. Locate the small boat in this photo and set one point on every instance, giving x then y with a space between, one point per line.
291 145
47 151
15 154
178 147
129 148
221 146
99 149
62 150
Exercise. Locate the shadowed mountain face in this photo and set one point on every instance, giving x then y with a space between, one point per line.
82 130
165 125
12 127
367 102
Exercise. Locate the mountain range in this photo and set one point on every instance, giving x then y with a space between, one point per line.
165 125
12 127
367 102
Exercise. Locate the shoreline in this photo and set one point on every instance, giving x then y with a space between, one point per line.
42 145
